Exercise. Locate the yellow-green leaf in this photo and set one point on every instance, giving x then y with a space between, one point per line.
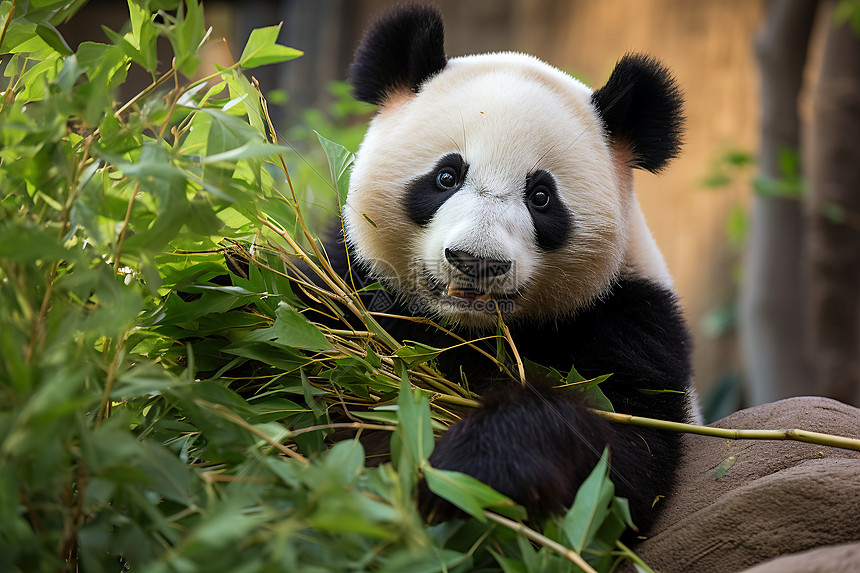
262 48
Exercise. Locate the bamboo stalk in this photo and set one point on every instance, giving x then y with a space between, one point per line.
341 425
124 230
470 343
520 369
530 533
104 408
735 434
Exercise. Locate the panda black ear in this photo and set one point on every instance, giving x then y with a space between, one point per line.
642 107
401 50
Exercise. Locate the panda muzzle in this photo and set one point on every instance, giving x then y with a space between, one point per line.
469 292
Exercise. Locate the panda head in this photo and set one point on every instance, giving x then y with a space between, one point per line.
497 183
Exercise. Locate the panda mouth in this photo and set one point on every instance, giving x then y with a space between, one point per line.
469 296
473 296
467 292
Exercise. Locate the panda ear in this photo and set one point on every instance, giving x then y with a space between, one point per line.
401 50
642 107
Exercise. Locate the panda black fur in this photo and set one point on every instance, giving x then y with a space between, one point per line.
498 183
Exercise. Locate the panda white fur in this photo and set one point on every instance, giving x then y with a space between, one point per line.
497 183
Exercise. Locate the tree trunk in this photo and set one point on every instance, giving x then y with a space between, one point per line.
773 294
833 232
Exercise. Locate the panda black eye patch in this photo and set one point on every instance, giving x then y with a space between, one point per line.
549 215
426 194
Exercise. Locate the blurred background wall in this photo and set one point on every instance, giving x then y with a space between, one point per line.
698 208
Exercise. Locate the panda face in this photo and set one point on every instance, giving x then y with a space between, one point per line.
493 189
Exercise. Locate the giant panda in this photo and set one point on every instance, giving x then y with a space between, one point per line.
496 185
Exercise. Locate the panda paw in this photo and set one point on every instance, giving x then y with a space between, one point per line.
534 445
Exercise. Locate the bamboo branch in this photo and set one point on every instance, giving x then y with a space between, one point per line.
229 415
530 533
439 327
104 408
520 369
124 229
73 191
167 75
176 93
735 434
345 425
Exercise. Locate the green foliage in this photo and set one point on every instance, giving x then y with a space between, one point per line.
848 11
162 409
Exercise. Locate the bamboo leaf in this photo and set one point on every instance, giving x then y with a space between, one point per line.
293 330
414 420
262 48
186 37
413 353
724 466
340 162
53 38
590 507
464 491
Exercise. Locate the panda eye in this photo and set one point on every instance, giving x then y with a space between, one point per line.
446 179
539 198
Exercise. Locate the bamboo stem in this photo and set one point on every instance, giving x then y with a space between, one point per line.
118 113
229 415
735 434
338 425
176 93
326 278
104 409
530 533
633 557
124 229
520 369
470 343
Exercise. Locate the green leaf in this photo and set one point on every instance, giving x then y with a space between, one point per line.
724 466
250 149
610 531
346 459
229 132
535 369
69 73
434 561
414 417
501 354
53 38
464 491
507 564
414 353
590 507
594 396
655 392
143 35
262 48
292 329
187 36
340 161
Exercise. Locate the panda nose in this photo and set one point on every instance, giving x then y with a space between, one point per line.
477 267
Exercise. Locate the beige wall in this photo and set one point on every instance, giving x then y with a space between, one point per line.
708 44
